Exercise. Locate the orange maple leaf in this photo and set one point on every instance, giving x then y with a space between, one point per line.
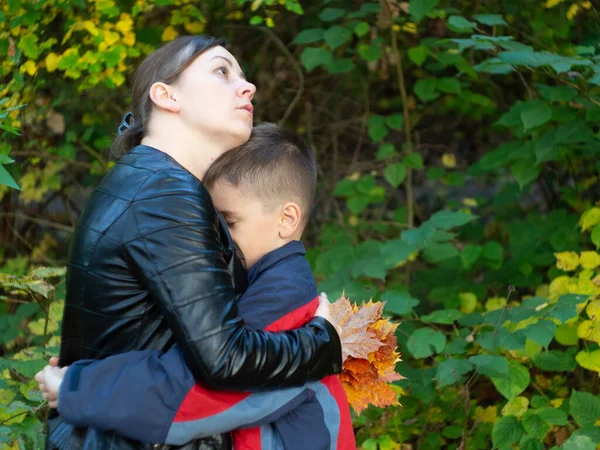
370 353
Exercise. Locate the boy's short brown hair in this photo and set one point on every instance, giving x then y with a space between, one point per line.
273 164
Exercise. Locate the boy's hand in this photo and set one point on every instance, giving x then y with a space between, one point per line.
324 312
49 380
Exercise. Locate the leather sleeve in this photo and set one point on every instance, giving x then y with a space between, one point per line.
176 252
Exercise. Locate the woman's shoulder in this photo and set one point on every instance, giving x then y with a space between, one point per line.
157 174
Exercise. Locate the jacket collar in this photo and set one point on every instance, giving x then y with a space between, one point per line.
293 248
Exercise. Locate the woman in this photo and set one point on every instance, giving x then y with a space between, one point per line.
152 264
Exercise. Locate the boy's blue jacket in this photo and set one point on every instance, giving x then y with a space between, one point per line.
153 397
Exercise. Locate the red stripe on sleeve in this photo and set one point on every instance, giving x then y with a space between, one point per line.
201 402
296 318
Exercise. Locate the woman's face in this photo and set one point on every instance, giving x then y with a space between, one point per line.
215 98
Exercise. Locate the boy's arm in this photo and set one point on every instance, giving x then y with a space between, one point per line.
153 397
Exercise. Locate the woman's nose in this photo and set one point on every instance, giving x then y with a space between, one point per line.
247 89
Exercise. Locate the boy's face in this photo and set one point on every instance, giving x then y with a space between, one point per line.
253 226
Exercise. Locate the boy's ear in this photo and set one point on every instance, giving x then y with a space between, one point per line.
290 220
162 96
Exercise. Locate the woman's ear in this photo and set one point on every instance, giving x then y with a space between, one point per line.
290 220
161 95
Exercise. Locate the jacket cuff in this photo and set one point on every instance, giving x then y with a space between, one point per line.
335 344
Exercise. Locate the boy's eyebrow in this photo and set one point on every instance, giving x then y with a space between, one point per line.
230 64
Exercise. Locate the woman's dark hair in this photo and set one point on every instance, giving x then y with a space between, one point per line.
166 65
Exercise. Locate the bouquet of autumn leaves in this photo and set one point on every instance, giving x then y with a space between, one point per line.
370 346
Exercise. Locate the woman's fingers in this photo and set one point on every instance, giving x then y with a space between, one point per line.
53 361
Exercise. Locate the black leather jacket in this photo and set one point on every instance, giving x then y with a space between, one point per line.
152 264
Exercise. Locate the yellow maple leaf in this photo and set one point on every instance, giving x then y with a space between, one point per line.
370 341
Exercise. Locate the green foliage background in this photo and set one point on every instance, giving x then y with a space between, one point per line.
459 169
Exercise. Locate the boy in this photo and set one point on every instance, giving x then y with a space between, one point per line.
265 191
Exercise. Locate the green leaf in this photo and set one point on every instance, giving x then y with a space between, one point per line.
395 121
584 407
541 332
413 161
446 219
557 93
529 58
535 113
386 151
395 174
369 52
514 383
426 89
435 252
448 85
425 342
554 361
494 66
596 236
461 25
579 443
507 430
29 46
312 57
337 36
470 255
490 19
398 302
377 131
530 443
7 179
545 147
340 65
420 8
357 203
418 54
534 425
450 371
516 407
553 416
309 36
574 133
330 14
493 254
361 29
490 365
443 316
525 171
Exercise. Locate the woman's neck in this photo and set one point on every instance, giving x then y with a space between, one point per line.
193 151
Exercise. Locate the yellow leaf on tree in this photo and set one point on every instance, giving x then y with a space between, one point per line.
495 303
589 360
589 218
573 10
468 302
169 34
552 3
111 37
449 160
52 61
486 415
194 27
593 310
566 335
91 27
589 260
516 407
567 261
124 25
29 67
129 39
589 330
559 286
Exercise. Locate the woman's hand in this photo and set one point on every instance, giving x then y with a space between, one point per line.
49 380
324 311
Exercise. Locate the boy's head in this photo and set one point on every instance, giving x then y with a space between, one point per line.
264 189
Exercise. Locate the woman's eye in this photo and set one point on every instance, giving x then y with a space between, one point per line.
230 224
223 71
